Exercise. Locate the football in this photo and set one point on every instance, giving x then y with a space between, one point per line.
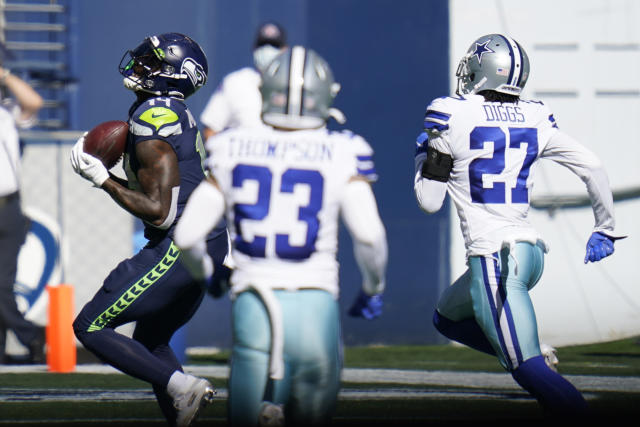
107 141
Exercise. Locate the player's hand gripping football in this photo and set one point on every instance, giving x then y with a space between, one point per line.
367 306
87 166
600 246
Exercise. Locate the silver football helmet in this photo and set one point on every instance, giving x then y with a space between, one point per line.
495 62
297 90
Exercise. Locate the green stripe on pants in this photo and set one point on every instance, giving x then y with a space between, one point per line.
136 289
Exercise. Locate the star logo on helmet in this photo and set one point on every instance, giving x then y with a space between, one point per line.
481 49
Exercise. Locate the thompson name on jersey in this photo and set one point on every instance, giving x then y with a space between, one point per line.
302 176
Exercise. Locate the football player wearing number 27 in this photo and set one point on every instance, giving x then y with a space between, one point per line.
482 146
282 187
163 160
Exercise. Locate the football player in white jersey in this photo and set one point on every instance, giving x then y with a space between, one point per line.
236 102
481 147
282 188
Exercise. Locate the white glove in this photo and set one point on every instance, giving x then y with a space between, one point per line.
87 166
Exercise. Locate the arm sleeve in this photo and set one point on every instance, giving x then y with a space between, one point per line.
429 193
568 152
202 212
216 113
361 217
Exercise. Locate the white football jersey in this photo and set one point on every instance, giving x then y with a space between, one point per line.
495 148
283 192
236 102
9 154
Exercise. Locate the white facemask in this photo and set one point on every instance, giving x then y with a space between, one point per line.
263 56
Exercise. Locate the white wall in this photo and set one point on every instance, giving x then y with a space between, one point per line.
585 64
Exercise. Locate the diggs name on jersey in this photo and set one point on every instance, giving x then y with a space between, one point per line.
503 113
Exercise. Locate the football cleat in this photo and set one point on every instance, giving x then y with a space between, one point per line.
197 394
550 358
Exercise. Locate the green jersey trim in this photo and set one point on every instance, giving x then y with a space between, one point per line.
159 116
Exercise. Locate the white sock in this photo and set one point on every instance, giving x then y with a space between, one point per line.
177 383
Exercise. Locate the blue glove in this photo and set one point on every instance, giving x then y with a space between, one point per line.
599 246
218 284
366 306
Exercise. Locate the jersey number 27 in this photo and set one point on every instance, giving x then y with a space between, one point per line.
495 165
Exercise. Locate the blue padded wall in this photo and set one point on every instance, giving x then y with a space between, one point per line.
391 59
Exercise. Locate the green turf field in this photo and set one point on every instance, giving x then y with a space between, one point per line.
440 385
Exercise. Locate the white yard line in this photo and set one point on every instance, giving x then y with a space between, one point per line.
482 380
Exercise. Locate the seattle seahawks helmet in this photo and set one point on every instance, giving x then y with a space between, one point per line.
493 62
170 64
297 90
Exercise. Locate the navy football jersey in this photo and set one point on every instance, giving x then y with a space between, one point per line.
169 120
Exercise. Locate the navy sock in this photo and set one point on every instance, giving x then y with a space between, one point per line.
556 395
466 331
127 355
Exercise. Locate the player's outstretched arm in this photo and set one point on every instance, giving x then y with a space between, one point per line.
360 214
585 164
203 211
568 152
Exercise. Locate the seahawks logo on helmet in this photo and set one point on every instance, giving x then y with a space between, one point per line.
169 64
194 71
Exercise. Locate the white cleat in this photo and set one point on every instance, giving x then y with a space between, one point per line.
198 394
550 358
271 415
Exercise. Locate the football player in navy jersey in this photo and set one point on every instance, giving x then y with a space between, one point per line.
163 162
482 147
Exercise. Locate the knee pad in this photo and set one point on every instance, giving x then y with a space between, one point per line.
465 331
440 322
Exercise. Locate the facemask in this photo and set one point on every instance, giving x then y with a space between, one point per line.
263 56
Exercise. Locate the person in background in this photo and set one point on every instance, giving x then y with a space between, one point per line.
237 101
17 111
482 147
282 187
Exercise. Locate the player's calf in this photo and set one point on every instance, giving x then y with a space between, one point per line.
556 395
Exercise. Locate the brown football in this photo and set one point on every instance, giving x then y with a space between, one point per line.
107 141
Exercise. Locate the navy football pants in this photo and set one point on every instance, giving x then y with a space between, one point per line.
155 290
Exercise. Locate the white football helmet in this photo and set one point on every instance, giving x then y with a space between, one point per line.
494 62
297 90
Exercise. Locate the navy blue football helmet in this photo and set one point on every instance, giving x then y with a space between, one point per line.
169 64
